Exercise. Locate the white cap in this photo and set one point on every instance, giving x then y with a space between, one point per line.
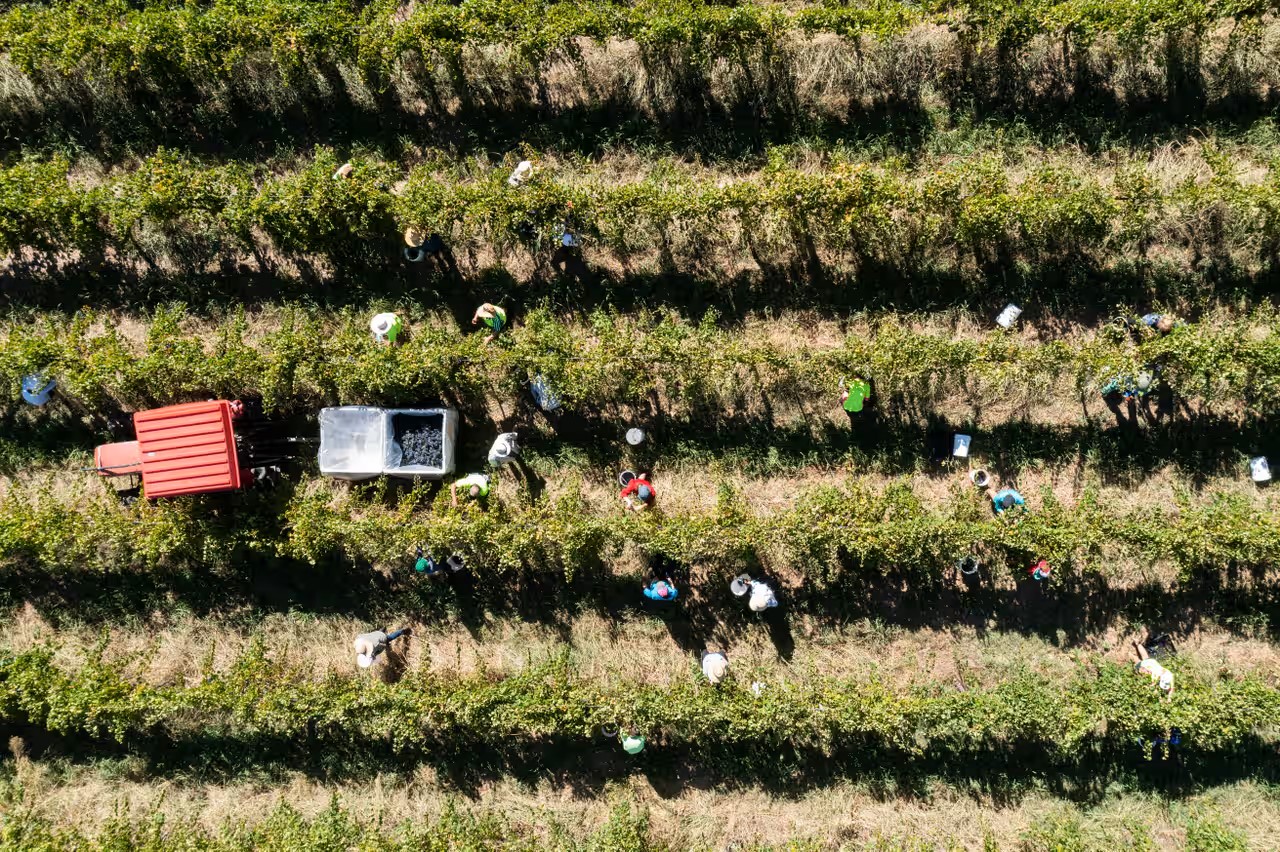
1166 680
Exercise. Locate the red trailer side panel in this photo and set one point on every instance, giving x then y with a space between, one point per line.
187 449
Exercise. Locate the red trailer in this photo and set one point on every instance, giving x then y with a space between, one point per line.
180 449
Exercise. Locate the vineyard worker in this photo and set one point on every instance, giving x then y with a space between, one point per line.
424 564
1007 499
854 395
633 743
370 645
761 596
504 449
386 328
492 316
715 666
1158 322
476 485
663 591
1151 667
638 494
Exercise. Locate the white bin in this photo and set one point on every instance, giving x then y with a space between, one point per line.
359 442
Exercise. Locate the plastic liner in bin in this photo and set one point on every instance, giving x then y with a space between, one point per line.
417 440
361 442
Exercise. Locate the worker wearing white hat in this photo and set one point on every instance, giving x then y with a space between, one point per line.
762 597
759 594
715 666
504 449
369 646
385 327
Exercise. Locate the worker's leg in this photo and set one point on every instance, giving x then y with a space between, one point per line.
396 634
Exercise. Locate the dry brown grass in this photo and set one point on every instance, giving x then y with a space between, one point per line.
688 817
175 649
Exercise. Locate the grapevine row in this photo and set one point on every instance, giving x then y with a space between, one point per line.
338 828
305 359
172 212
828 534
258 701
116 39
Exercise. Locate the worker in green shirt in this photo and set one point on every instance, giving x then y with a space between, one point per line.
493 317
476 486
854 395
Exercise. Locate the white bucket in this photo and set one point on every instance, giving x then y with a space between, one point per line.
960 446
1009 316
635 436
1259 469
980 478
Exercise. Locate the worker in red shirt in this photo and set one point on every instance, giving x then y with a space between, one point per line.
638 494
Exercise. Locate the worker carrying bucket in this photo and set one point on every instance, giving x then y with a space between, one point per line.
637 492
759 594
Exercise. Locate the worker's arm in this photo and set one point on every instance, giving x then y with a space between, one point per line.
630 488
453 493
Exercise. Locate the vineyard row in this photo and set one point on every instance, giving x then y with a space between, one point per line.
828 534
340 829
116 39
297 359
964 215
257 702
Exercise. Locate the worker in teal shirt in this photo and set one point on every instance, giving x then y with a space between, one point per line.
1007 499
660 590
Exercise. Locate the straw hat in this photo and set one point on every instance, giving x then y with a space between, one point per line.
414 238
717 669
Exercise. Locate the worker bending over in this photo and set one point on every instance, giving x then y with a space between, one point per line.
663 591
493 317
369 646
1151 667
638 494
715 666
504 449
1007 499
475 484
